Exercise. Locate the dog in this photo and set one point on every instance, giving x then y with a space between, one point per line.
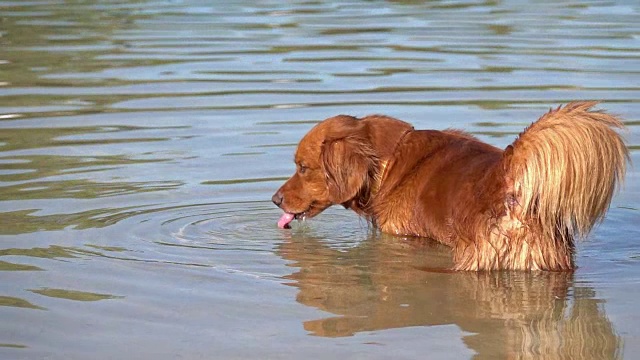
521 208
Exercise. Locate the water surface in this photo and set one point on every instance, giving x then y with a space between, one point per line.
140 143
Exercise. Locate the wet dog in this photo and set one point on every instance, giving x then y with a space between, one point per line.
520 208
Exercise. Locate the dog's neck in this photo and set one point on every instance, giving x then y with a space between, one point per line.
384 164
379 178
362 202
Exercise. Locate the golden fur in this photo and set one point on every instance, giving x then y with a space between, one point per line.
520 208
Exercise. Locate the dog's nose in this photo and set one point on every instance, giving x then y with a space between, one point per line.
277 198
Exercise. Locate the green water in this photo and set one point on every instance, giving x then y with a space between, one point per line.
141 141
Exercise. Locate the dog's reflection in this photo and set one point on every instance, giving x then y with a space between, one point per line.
387 282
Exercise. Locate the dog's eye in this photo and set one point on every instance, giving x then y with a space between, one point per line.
302 169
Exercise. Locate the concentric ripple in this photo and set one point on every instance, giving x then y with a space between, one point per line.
234 237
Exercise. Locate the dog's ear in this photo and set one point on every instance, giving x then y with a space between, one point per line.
348 161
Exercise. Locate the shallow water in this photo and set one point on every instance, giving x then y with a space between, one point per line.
140 143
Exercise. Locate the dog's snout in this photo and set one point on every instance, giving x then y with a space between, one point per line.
277 198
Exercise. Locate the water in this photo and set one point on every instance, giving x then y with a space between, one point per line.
140 143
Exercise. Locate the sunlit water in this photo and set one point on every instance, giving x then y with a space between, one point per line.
140 143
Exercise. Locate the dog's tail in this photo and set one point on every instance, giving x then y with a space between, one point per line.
563 170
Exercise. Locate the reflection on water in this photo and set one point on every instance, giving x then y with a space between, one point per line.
73 295
381 285
17 302
141 140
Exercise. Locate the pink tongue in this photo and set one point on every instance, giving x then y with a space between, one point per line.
285 220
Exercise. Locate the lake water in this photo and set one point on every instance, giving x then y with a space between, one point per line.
141 141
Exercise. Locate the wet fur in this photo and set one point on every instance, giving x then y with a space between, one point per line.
521 208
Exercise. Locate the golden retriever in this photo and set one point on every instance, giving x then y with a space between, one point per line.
520 208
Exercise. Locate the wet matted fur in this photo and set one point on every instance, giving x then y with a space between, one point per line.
520 208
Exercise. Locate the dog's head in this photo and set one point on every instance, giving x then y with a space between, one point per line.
335 163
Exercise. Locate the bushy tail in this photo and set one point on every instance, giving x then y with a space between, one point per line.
564 169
